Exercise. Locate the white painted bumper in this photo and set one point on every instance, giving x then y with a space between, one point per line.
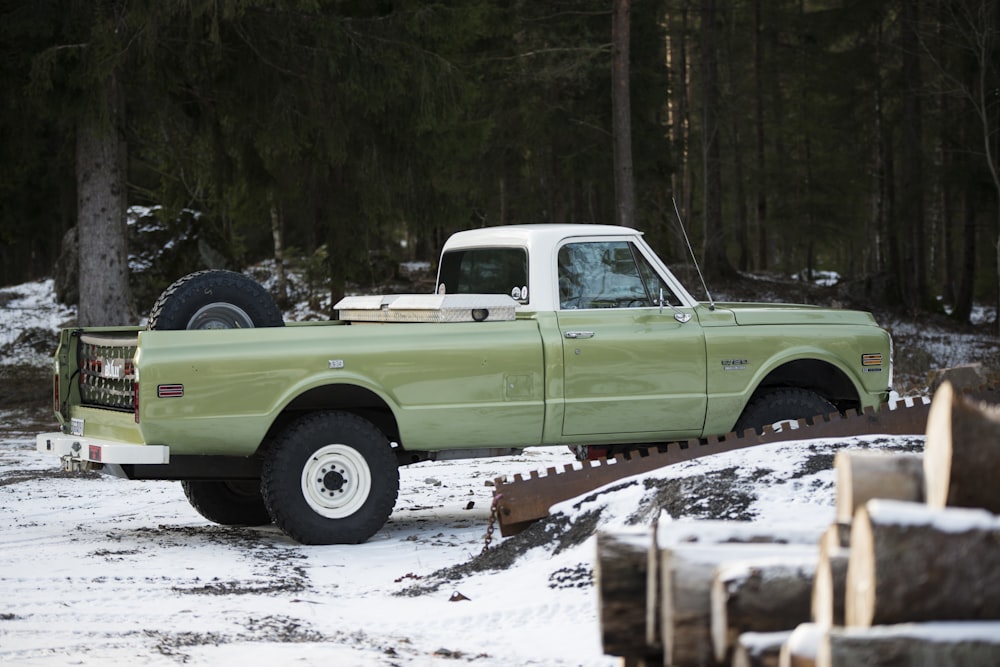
83 453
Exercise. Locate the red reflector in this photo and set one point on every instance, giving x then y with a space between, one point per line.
169 391
95 453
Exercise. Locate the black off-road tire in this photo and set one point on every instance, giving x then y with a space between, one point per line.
330 478
781 405
214 299
228 502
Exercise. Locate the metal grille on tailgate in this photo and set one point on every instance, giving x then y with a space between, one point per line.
107 372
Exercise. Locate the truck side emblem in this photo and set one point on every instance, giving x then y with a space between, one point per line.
169 391
336 363
734 364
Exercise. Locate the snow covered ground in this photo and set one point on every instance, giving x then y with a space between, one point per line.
97 570
100 571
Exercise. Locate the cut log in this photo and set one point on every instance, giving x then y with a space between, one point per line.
912 563
837 535
669 533
672 532
759 649
863 475
686 573
759 595
962 452
801 647
830 582
620 575
653 588
966 376
940 644
685 604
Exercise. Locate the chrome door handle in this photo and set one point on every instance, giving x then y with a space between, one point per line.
575 335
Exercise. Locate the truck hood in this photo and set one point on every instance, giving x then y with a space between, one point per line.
770 313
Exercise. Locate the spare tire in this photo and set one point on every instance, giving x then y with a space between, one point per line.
214 299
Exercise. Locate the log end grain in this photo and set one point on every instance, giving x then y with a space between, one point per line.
859 598
938 447
863 475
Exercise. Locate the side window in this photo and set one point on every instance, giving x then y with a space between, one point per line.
651 279
485 271
607 274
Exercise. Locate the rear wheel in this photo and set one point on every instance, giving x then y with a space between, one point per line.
228 502
214 300
780 405
330 478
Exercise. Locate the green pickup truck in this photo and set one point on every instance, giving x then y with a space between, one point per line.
561 335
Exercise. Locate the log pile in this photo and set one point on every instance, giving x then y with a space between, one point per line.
909 574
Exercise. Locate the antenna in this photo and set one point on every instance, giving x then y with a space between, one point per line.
680 223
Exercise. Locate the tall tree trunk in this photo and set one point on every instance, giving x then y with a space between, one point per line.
502 195
910 221
101 180
806 194
809 217
760 210
278 235
988 66
782 159
950 236
742 215
688 199
558 200
621 112
966 279
680 126
332 213
893 251
941 252
737 159
874 255
716 261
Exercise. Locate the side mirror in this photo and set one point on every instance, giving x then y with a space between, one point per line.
679 315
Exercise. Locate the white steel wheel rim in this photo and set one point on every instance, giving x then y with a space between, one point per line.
336 481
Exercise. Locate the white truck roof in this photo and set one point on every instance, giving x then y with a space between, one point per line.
542 242
531 236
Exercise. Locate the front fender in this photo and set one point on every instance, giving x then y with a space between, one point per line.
828 360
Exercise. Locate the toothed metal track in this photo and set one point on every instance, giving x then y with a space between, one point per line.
522 500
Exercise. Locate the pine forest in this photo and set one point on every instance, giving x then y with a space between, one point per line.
860 137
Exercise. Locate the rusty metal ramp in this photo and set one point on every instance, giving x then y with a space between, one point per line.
519 501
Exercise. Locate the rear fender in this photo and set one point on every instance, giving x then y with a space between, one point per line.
356 399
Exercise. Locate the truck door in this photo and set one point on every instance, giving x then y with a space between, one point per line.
630 365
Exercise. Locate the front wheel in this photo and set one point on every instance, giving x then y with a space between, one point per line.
780 405
330 478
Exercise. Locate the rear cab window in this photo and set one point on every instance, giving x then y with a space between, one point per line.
502 270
